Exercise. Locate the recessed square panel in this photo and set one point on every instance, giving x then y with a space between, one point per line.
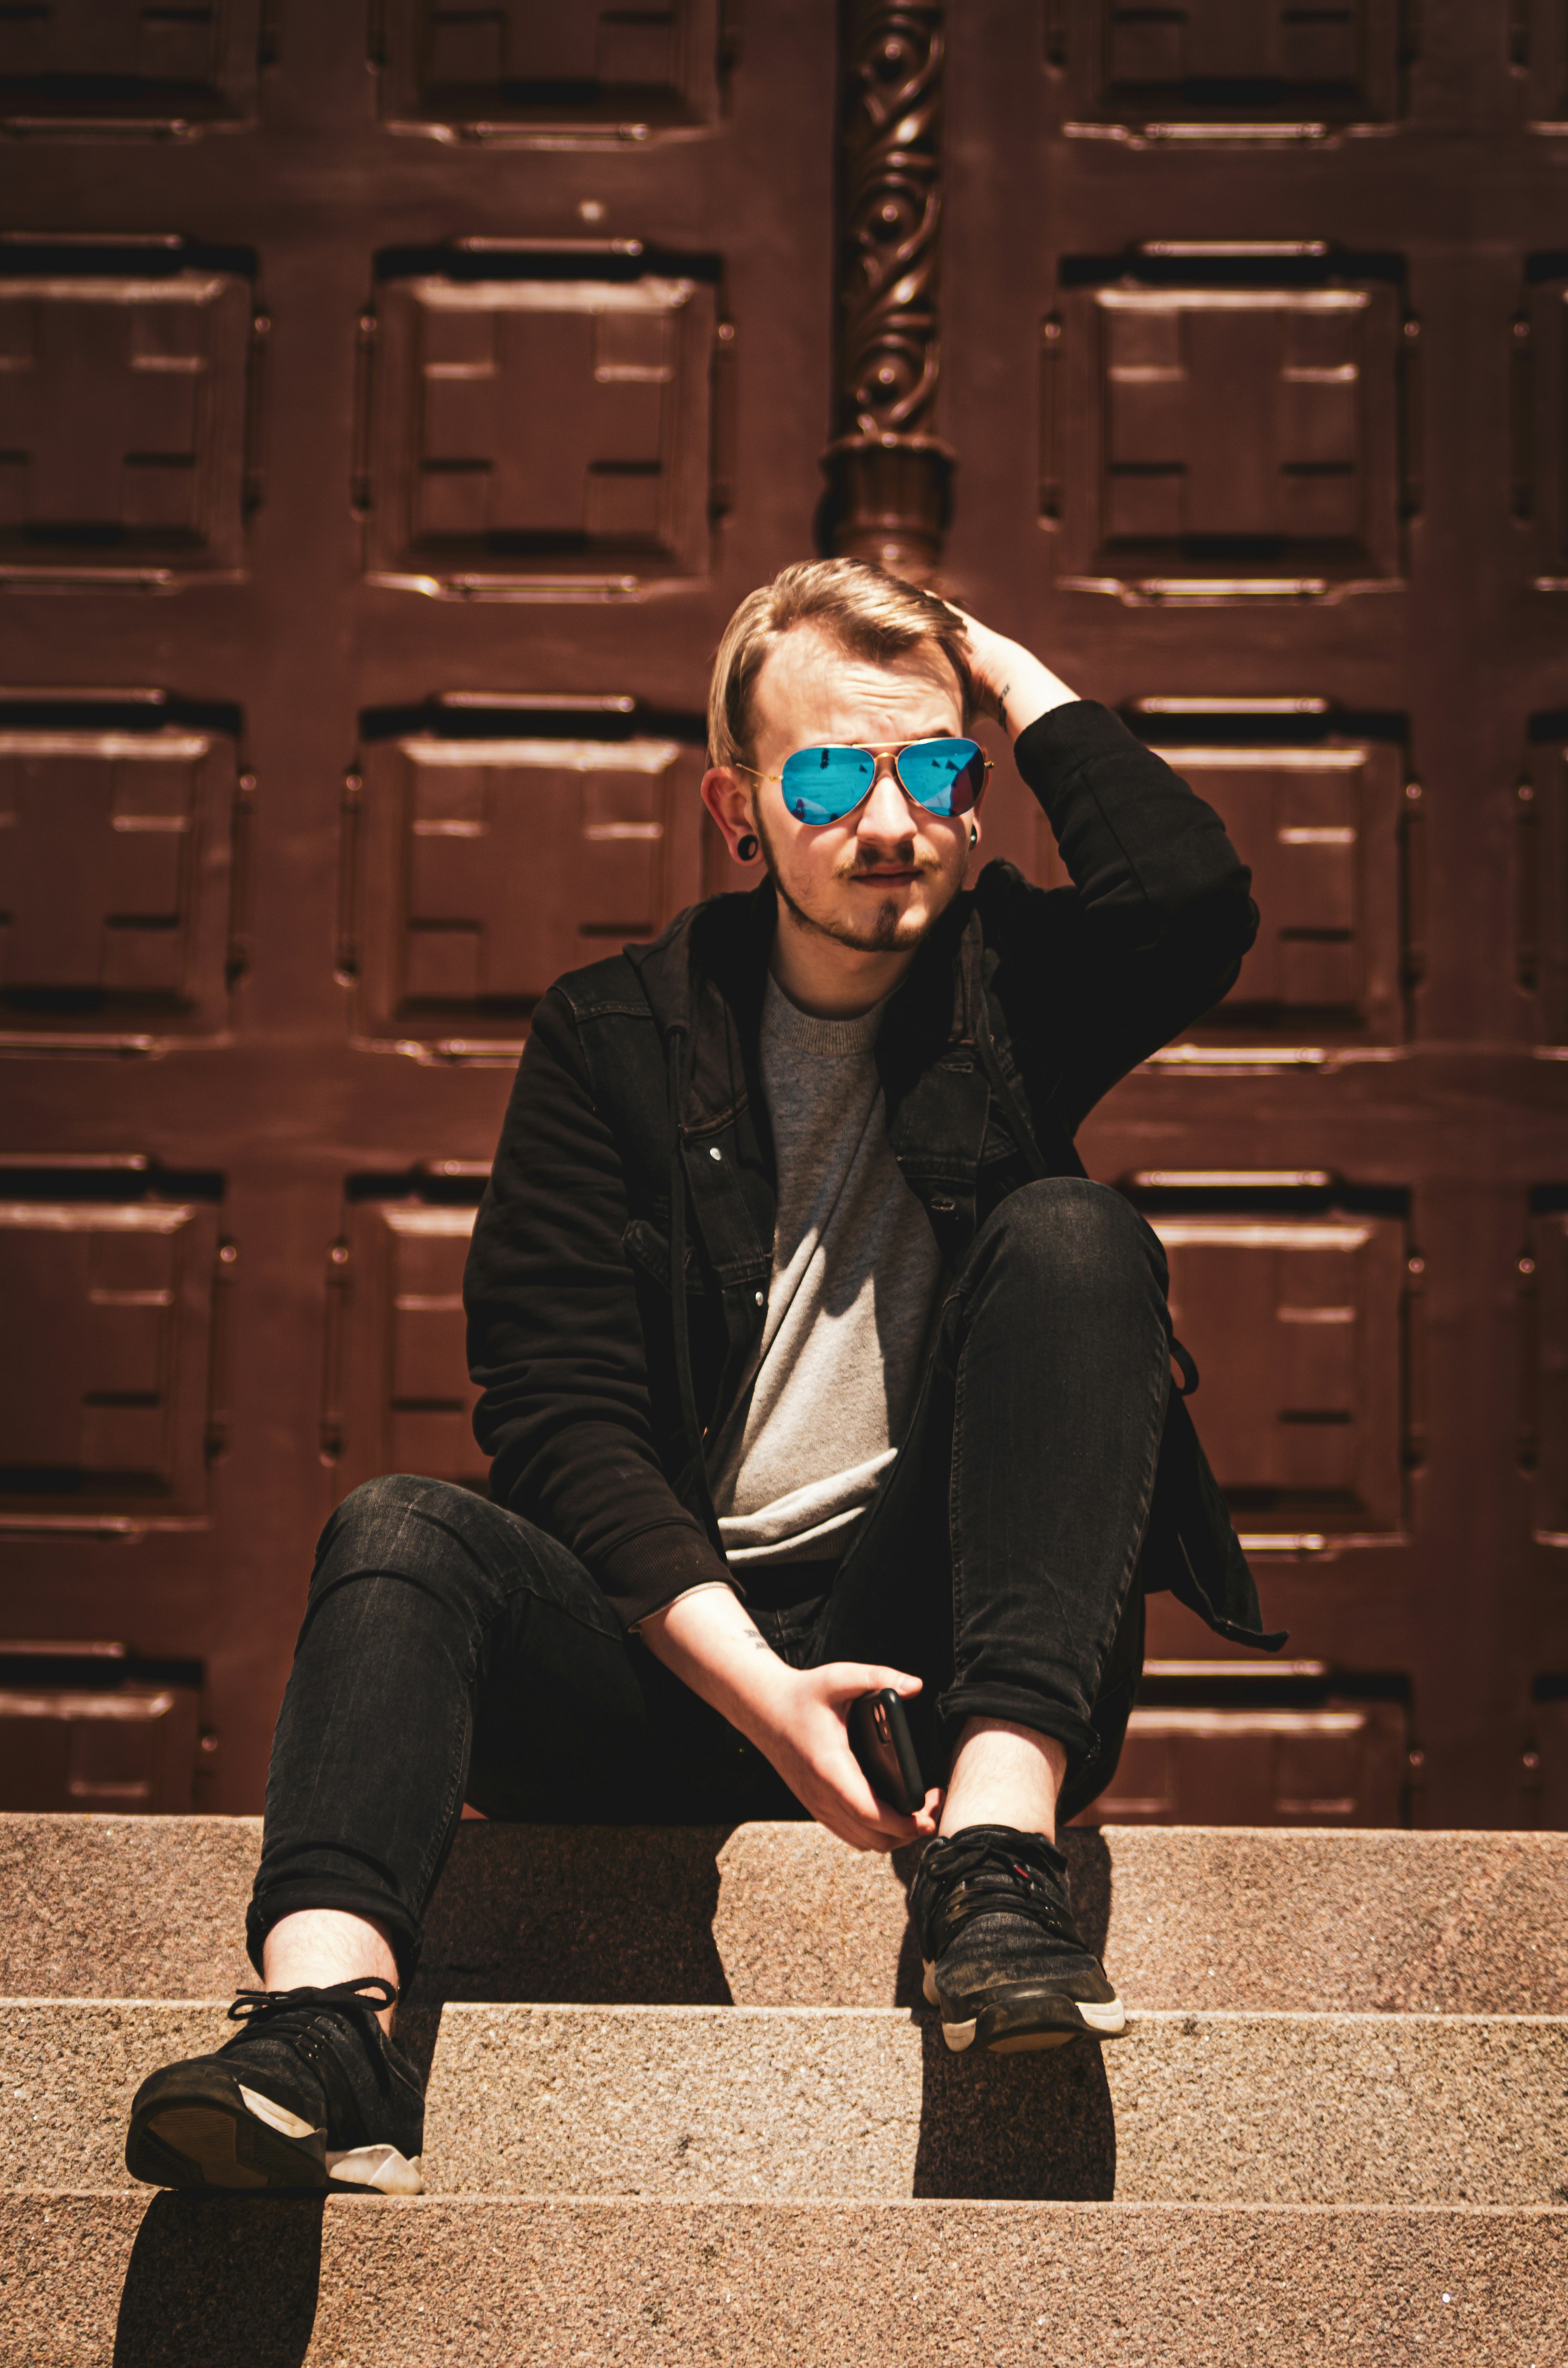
1540 42
1544 1314
1319 819
1231 71
1344 1765
400 1398
117 826
1220 438
1295 1324
498 848
558 72
123 416
1540 460
80 65
104 1419
1543 1797
543 432
130 1753
1540 868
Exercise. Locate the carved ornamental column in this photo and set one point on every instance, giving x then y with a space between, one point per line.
888 478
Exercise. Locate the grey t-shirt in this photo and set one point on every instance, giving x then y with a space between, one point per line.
855 1287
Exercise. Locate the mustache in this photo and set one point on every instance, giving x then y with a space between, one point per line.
904 860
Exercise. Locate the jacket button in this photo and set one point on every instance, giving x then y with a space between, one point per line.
761 1300
714 1152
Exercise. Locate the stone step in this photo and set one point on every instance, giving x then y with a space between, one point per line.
486 2282
814 2102
781 1915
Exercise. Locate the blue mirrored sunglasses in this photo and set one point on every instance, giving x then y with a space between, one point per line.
820 785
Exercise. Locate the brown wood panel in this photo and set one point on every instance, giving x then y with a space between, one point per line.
399 1395
1540 424
1343 1766
109 1299
1540 51
1245 70
375 482
494 844
1321 812
1541 872
544 433
1305 1434
125 377
75 66
529 69
120 823
130 1753
1224 425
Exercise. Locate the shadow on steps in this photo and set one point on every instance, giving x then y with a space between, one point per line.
1034 2129
576 1919
217 2281
1018 2129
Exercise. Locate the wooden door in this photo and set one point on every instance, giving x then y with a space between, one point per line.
394 403
1283 480
380 460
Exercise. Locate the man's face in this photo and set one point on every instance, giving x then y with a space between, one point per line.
879 879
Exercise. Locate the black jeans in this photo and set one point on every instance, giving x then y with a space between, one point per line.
451 1651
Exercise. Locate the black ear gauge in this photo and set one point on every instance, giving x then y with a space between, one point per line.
973 835
746 848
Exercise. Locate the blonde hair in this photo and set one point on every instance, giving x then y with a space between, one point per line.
872 613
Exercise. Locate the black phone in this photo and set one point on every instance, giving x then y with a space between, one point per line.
880 1740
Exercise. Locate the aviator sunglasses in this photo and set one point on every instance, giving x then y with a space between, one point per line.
821 785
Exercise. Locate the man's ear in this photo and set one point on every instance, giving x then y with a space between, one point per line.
731 800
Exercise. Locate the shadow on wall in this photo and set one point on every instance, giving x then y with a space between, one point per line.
216 2281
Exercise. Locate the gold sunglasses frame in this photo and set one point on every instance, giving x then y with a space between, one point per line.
888 753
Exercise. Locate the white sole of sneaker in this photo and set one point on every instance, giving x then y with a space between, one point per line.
1108 2022
379 2166
1111 2018
277 2117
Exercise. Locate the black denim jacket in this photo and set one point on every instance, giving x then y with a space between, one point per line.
1020 1009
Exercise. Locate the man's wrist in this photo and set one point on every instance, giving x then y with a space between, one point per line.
1026 690
759 1688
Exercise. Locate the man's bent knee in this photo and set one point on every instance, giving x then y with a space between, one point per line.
391 1525
1074 1226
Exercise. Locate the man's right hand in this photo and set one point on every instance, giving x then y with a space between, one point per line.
797 1718
801 1726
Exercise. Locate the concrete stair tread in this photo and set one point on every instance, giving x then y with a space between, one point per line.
1187 1918
487 2281
1284 2107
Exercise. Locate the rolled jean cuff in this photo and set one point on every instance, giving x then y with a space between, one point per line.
350 1897
1020 1708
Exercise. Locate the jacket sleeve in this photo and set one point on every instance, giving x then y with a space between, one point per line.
555 1340
1153 931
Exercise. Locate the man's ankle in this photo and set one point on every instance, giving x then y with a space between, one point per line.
1003 1774
315 1947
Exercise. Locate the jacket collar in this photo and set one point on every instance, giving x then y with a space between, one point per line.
705 976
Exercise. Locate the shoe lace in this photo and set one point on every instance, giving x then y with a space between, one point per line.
342 1997
983 1873
358 2002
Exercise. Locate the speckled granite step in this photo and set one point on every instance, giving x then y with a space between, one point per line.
742 2103
118 2281
784 1914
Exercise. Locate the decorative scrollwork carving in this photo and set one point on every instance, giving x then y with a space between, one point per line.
888 476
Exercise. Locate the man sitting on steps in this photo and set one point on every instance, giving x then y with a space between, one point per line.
811 1363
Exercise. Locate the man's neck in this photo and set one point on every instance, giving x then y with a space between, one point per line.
825 978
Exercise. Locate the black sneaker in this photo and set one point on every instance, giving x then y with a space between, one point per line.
1004 1959
310 2093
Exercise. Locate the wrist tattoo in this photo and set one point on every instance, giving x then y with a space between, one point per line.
1002 705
